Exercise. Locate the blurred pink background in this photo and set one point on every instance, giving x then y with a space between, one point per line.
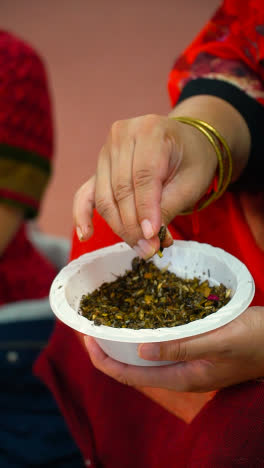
106 60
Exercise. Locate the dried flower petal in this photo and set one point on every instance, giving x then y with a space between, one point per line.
212 297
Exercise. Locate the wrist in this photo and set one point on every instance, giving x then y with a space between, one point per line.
199 157
226 120
198 146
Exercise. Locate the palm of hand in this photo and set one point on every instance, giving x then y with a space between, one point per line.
223 357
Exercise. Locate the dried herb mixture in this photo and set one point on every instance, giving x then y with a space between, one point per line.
147 297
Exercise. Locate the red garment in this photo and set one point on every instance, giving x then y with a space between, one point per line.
118 426
230 47
122 427
25 273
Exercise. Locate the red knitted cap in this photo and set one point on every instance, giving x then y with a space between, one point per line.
26 129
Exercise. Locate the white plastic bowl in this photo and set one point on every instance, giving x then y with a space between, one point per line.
187 259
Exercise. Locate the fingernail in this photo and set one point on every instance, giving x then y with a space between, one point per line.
147 229
146 249
149 351
79 233
138 251
83 232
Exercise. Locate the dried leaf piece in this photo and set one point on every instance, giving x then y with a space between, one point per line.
162 234
141 315
204 288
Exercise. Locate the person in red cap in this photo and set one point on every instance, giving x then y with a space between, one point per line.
32 431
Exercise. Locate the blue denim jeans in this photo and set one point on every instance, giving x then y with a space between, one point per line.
32 431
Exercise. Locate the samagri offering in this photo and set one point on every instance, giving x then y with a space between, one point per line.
147 297
185 259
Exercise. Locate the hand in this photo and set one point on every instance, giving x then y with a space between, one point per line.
150 169
226 356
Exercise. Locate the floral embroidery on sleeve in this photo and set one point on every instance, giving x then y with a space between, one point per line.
230 47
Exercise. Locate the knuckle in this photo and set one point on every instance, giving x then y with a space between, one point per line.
116 129
149 122
175 351
122 191
104 207
180 351
143 177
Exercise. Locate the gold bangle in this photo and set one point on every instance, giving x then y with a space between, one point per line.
223 155
224 144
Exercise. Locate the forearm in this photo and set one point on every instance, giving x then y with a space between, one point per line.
226 119
10 220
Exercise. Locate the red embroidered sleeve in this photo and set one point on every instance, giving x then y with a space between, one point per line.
230 47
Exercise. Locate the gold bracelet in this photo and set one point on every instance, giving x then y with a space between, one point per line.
219 138
223 155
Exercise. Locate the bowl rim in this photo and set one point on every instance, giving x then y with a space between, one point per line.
64 312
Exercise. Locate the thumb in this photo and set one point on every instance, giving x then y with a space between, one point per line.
182 192
203 346
83 206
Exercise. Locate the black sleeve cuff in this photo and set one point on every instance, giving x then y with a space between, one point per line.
253 113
